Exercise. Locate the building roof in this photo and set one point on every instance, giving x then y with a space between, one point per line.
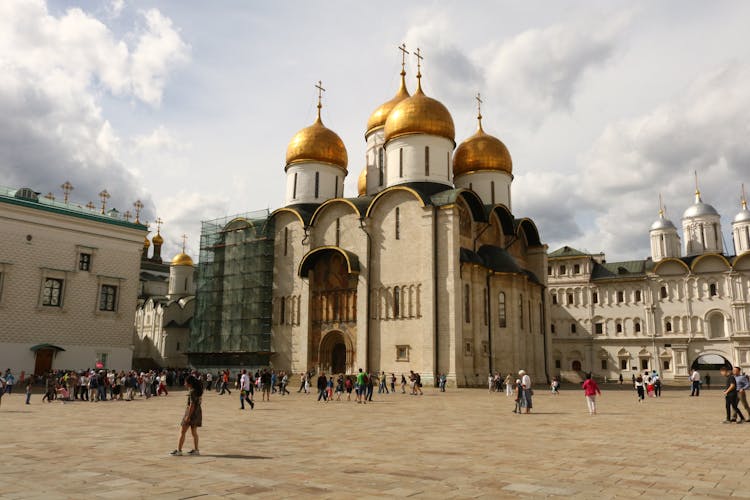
619 270
8 195
495 259
566 251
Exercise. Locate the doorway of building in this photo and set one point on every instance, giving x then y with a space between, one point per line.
334 356
43 363
338 358
576 366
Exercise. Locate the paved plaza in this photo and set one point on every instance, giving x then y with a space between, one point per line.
463 443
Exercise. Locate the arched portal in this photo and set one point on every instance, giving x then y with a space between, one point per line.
710 362
335 353
716 325
576 365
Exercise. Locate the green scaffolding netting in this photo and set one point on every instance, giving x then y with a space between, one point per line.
234 289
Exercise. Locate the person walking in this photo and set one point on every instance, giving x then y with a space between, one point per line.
508 385
743 383
393 383
302 378
518 391
361 386
29 387
245 385
284 382
528 392
225 383
383 387
695 383
555 386
193 417
639 388
730 397
403 384
590 391
265 385
322 385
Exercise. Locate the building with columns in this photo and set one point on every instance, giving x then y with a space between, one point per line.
670 312
427 269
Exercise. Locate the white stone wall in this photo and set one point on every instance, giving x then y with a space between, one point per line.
702 234
38 244
330 183
412 168
376 161
491 186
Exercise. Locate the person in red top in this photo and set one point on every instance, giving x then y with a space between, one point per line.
590 390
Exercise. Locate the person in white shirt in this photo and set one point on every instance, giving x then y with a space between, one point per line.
527 392
245 391
695 379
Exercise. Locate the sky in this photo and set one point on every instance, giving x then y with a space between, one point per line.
189 106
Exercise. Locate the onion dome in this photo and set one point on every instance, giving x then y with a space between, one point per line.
699 208
362 182
157 239
182 259
662 223
317 143
482 152
419 114
378 117
744 215
146 243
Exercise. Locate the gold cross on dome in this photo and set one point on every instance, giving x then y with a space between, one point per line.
158 223
127 215
67 187
184 241
138 205
90 205
404 53
419 56
104 196
479 105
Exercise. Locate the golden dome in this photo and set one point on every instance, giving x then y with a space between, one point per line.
317 143
378 117
157 239
362 182
419 114
182 259
483 152
146 243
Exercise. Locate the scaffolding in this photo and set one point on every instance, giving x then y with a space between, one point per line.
232 322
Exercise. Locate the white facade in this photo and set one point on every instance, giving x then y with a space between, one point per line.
741 230
418 158
665 242
313 182
492 186
68 286
376 161
701 228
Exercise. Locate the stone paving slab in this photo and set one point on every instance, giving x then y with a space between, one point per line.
460 444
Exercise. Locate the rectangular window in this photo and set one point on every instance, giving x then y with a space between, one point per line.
52 293
400 162
282 310
573 328
402 353
467 303
336 188
599 328
665 364
492 193
554 300
294 187
604 364
638 296
552 328
338 232
558 364
398 223
486 312
108 298
644 364
501 317
467 348
570 299
577 269
623 364
286 241
620 297
595 297
84 262
549 270
562 270
427 161
317 184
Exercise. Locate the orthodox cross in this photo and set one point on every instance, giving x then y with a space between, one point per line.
697 191
744 199
67 187
419 56
138 207
320 88
50 196
404 53
158 223
479 107
184 241
90 205
104 196
127 215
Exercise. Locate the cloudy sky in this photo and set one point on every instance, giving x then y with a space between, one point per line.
189 105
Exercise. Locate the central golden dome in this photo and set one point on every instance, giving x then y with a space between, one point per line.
419 114
483 152
362 182
157 239
317 143
182 259
378 117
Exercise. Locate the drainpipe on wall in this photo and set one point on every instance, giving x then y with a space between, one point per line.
436 370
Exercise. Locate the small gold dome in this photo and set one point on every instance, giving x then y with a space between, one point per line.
362 182
419 114
157 239
182 259
146 243
378 117
317 143
483 152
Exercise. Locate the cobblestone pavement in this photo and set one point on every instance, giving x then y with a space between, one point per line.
464 443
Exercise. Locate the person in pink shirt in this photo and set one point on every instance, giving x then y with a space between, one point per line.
590 390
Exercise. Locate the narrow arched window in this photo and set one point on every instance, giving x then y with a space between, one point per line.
637 326
286 241
501 312
663 292
336 188
317 184
467 303
712 290
520 311
492 189
294 187
381 166
396 302
485 310
338 232
282 310
400 162
668 326
398 223
427 161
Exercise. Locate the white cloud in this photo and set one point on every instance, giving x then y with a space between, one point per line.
54 71
183 214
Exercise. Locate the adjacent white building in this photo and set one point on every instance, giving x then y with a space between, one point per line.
670 312
68 284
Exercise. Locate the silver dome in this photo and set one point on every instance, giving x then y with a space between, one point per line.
662 223
699 209
743 216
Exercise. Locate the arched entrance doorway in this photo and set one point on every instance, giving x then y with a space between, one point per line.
710 362
334 355
576 366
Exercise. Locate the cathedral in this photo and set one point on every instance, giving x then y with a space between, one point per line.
685 307
427 269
